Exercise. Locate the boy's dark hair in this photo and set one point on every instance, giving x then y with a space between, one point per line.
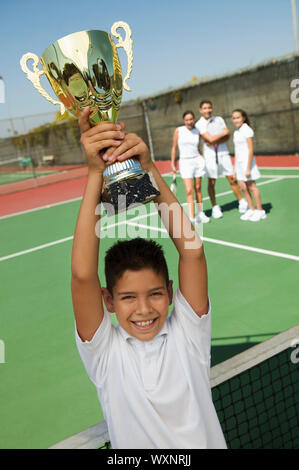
135 254
188 112
244 115
205 102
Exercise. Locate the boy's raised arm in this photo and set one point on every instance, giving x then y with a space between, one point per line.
85 284
192 262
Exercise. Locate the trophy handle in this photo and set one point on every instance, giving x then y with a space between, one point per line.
127 44
34 77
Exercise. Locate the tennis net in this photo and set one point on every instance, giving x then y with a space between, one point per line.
256 396
19 174
16 169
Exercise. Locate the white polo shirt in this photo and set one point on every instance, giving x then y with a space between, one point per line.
215 125
156 394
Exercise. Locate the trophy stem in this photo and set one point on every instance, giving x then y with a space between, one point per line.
121 171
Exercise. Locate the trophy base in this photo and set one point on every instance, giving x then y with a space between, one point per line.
133 191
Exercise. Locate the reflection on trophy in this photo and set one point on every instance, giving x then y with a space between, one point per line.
84 70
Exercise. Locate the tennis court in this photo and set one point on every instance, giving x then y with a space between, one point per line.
45 393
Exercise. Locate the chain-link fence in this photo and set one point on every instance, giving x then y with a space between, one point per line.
42 137
264 91
42 148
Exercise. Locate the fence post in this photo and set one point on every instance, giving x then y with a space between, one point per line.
148 130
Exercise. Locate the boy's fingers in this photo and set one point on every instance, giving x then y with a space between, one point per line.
84 123
102 127
122 126
132 152
117 135
103 144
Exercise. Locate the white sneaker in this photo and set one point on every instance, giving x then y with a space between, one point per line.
247 215
192 220
243 206
258 215
202 218
216 212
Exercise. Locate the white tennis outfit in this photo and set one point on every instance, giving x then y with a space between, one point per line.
156 394
215 125
192 164
242 154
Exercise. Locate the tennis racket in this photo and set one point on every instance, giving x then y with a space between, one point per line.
216 152
173 184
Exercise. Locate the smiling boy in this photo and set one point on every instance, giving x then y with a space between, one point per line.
152 370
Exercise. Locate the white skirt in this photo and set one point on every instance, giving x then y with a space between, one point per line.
193 167
241 167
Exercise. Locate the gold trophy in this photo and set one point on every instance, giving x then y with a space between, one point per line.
84 70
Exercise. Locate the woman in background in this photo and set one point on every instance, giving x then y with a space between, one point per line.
191 163
246 169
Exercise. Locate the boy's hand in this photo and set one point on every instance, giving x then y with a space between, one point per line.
131 146
95 140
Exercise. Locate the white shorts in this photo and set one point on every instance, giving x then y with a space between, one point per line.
224 167
192 167
241 167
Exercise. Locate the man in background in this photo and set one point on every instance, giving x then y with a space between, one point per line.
214 134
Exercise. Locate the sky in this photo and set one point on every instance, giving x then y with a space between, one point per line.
173 40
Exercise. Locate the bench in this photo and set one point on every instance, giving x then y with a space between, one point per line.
48 160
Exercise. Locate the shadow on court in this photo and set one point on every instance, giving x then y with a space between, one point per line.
267 207
229 206
222 352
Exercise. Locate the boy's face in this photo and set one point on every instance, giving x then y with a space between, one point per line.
206 110
140 300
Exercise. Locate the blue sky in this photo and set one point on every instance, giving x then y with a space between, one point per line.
173 40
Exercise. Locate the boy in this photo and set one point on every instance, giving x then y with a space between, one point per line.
214 134
151 372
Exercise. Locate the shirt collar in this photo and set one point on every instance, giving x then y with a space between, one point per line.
126 336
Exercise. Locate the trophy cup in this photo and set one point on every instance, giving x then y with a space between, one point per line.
84 70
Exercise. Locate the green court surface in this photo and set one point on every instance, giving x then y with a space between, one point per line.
11 177
45 393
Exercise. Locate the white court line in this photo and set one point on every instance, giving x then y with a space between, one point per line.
159 229
280 176
279 168
251 248
36 248
138 217
149 227
48 206
56 242
232 245
274 180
